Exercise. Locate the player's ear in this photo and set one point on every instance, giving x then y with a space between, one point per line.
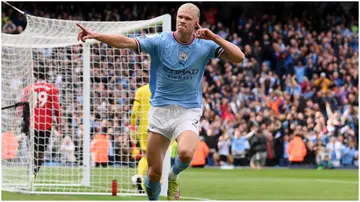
196 25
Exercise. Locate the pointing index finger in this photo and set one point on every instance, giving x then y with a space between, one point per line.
81 27
198 24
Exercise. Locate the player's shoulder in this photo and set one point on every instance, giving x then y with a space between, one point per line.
28 87
52 86
162 35
205 43
165 37
144 88
166 34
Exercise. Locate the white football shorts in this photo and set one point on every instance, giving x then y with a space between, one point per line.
170 121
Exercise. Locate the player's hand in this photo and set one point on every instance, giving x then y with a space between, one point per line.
85 34
204 33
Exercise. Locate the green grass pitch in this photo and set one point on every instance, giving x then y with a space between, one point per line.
240 184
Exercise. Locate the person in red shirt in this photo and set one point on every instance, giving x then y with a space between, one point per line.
45 99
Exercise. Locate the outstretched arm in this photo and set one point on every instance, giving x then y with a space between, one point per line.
231 51
114 40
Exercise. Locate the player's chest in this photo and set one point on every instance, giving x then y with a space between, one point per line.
177 56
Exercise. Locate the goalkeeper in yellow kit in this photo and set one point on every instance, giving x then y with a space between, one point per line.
139 112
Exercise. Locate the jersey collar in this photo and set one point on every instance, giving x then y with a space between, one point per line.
190 42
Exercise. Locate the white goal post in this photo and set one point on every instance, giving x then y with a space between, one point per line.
96 85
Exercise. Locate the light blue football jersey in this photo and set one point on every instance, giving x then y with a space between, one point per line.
176 69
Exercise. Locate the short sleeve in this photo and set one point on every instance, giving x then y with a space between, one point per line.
215 50
147 44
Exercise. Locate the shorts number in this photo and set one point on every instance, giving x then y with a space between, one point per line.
40 99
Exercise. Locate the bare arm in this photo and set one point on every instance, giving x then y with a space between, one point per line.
250 134
231 51
114 40
117 40
328 110
345 116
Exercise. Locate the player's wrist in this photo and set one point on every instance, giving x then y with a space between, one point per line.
97 36
216 38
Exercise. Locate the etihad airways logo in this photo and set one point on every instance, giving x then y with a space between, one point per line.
180 75
181 71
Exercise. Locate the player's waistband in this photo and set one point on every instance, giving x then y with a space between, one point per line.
172 105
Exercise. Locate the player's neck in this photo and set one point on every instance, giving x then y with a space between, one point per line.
183 37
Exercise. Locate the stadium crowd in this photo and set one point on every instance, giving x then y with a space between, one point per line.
293 101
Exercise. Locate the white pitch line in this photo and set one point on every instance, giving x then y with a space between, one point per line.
337 181
195 198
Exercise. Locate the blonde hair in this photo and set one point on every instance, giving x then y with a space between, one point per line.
192 7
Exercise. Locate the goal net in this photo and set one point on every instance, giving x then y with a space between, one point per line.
96 85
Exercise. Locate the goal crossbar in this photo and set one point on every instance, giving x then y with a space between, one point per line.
39 40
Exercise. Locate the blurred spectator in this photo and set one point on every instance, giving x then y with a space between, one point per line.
201 152
258 145
348 154
9 27
211 140
333 149
310 158
68 150
323 82
223 156
9 146
111 152
320 151
240 146
326 163
284 160
100 149
122 149
296 149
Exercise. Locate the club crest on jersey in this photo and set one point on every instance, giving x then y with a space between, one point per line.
183 56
